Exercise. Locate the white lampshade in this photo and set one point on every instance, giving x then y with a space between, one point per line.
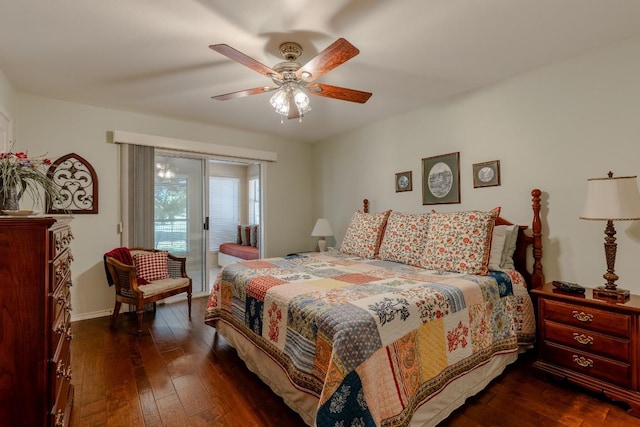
322 228
612 198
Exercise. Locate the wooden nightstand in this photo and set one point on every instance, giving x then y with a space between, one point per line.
590 342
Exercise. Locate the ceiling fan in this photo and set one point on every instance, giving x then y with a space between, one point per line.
294 81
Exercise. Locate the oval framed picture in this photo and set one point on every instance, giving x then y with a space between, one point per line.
486 174
441 179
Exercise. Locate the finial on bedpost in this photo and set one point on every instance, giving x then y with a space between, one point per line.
537 277
365 205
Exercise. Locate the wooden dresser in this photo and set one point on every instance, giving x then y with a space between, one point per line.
35 331
590 342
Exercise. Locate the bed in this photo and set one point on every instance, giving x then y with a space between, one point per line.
395 335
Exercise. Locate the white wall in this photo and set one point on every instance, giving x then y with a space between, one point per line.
57 128
7 94
7 98
551 129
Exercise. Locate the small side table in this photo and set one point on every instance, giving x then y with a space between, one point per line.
590 342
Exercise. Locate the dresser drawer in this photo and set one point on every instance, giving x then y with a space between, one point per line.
589 364
588 318
588 341
61 270
60 330
61 410
60 300
61 240
60 373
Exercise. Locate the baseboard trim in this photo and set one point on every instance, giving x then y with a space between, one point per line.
124 309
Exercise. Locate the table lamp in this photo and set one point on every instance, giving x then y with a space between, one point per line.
322 229
611 199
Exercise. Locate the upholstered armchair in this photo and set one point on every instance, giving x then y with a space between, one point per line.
143 276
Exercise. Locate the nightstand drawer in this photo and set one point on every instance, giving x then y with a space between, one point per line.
587 318
589 364
589 341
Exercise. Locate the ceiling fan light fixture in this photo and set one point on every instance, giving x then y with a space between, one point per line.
302 101
290 92
280 102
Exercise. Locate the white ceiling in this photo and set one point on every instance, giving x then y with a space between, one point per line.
152 56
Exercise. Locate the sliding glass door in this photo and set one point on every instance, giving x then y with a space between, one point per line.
198 204
179 212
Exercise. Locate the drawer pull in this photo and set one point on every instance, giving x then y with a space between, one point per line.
59 418
583 361
60 369
68 375
582 316
583 339
60 329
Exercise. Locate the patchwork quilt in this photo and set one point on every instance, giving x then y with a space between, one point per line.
371 339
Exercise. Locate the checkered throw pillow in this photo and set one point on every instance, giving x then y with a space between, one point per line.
152 266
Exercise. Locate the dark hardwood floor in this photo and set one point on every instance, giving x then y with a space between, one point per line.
180 373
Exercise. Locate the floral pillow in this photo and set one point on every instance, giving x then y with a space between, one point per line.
459 241
152 265
364 234
404 238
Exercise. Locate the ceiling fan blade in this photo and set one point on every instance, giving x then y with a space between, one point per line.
337 92
245 60
243 93
336 54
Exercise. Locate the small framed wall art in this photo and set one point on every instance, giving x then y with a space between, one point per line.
404 181
486 174
441 179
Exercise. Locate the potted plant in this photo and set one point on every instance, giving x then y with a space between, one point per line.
20 174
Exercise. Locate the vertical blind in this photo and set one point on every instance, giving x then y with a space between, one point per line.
224 210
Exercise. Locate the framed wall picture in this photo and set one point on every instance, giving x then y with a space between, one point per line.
403 182
78 183
441 179
486 174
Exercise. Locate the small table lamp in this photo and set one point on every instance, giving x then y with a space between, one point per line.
611 199
322 229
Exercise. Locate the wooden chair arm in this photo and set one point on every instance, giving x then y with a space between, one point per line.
124 276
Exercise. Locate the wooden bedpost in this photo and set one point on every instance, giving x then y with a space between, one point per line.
537 276
365 205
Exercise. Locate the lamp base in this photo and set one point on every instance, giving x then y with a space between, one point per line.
322 245
614 295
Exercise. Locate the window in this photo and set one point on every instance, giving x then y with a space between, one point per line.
224 210
254 201
170 211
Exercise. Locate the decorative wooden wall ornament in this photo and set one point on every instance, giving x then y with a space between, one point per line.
78 184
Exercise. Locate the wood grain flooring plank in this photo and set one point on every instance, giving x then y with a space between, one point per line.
181 373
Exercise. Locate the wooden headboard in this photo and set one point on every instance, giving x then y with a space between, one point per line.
535 277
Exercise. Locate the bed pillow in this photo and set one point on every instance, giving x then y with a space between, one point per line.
254 236
459 241
364 234
510 240
404 238
498 241
244 234
152 266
